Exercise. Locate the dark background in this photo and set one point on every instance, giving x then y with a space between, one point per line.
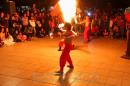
101 4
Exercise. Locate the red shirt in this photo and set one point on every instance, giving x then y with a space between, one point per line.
127 17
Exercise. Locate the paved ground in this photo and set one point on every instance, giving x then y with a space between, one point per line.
34 63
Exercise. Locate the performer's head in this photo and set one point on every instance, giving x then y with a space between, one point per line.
67 26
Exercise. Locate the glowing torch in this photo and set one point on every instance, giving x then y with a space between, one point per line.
68 8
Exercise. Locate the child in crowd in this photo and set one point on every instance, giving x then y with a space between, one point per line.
21 37
116 31
106 33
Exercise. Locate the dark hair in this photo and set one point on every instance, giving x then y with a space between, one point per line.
67 26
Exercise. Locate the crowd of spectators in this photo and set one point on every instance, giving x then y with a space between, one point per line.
109 25
23 26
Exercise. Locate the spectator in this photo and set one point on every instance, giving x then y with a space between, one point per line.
2 22
25 21
40 33
2 35
21 37
111 27
8 39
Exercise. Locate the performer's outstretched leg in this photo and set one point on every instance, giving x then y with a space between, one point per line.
63 59
70 62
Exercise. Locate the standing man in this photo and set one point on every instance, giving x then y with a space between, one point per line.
65 56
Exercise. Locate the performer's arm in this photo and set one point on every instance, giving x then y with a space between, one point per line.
62 30
74 33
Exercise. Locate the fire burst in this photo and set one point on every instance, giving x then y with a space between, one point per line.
68 8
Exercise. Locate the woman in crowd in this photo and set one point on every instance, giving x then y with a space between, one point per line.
8 39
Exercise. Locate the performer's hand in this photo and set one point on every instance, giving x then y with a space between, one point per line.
74 33
62 30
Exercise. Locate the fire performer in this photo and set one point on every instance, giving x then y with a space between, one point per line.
65 56
62 41
86 30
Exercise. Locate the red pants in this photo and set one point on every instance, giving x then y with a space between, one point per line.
61 43
65 57
86 34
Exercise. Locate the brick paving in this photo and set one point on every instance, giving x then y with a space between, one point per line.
33 63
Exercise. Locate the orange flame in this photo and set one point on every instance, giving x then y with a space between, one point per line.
68 8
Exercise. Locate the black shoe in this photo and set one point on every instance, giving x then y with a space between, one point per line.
59 73
59 49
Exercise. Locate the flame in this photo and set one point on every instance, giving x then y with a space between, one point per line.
68 8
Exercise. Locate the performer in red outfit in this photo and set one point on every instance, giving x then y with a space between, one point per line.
62 42
86 30
65 56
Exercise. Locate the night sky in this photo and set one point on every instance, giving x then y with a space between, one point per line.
82 3
102 3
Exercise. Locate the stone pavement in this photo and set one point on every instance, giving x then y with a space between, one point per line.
33 63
